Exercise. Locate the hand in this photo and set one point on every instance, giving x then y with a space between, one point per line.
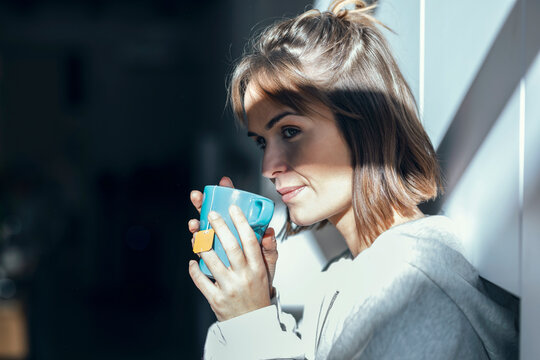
268 242
196 198
243 287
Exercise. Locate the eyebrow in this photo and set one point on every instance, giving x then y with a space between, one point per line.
273 122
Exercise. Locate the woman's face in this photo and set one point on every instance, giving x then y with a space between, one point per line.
305 157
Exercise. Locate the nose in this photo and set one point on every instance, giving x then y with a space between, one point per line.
274 161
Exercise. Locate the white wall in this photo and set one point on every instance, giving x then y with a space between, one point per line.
530 252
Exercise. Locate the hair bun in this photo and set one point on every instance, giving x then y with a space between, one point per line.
338 7
361 13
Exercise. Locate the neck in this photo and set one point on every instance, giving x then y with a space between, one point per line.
346 225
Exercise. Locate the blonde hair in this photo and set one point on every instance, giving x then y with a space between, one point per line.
340 59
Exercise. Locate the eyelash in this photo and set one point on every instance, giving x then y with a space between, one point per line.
261 142
285 129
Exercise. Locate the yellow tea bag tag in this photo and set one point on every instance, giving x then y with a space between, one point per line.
203 241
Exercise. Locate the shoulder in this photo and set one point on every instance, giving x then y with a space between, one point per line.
422 255
395 304
414 286
390 304
431 245
417 260
436 232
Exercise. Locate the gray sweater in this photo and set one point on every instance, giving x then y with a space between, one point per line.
411 295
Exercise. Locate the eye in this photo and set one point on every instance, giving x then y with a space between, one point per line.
261 142
290 132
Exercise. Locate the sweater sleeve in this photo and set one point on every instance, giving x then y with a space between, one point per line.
266 333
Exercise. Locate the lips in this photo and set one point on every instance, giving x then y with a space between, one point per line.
287 193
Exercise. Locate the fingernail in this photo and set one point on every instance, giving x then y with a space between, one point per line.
271 234
235 209
212 215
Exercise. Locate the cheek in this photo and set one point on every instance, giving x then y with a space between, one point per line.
309 152
334 187
330 175
322 159
297 153
330 194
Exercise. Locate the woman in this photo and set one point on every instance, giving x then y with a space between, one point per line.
322 96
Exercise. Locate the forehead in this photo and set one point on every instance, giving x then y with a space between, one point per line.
255 97
259 107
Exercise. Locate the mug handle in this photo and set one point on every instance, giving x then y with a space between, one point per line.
267 210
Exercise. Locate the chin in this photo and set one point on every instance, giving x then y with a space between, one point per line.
303 220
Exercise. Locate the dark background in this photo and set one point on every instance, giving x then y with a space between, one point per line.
110 112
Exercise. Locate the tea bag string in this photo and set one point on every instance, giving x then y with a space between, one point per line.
211 207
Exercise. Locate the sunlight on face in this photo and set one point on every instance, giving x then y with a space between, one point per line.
305 156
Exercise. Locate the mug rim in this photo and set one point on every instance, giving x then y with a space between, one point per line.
241 191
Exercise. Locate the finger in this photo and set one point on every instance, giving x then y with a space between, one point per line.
193 225
196 198
201 281
215 265
228 240
270 253
226 181
192 242
268 241
252 249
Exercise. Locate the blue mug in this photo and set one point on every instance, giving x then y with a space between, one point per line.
257 209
